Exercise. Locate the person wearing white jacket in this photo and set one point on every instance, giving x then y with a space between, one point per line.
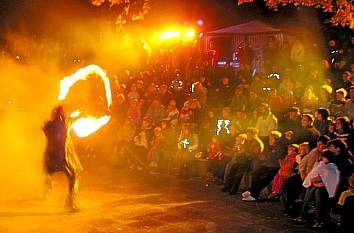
267 122
321 184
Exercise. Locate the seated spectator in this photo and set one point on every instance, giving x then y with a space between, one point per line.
337 105
346 78
266 122
253 101
267 168
309 160
187 147
199 93
155 112
253 148
215 155
276 102
133 93
186 112
237 151
242 123
134 112
164 95
171 112
291 121
307 133
292 187
342 131
325 97
320 185
152 157
344 161
321 122
349 104
346 203
239 101
285 171
309 100
141 141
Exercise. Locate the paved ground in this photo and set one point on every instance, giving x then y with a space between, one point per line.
123 201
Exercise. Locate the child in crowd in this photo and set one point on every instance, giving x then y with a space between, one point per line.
285 171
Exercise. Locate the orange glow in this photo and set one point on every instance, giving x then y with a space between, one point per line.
85 126
170 34
190 34
184 33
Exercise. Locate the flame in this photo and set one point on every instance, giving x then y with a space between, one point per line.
85 126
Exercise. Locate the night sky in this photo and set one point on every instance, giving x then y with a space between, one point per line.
50 18
215 13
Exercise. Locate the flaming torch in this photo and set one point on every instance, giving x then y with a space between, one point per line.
85 126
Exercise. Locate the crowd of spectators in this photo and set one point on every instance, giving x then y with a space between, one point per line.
288 127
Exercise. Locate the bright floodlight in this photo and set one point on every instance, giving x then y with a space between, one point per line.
170 34
190 33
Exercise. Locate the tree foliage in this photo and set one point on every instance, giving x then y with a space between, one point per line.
126 10
342 10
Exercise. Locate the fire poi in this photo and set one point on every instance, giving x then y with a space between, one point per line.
85 126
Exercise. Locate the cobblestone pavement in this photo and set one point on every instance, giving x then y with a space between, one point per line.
125 201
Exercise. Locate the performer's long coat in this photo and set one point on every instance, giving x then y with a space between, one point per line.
60 153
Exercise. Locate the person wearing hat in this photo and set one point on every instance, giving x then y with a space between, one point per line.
291 121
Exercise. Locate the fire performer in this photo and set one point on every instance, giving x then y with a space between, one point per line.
60 155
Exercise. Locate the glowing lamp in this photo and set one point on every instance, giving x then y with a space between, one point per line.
190 33
176 34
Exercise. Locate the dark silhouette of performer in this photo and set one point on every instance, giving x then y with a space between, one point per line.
60 155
